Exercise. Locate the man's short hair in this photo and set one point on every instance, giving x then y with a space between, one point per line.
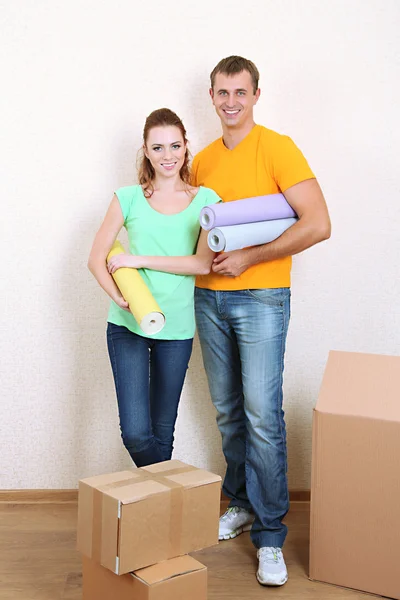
233 65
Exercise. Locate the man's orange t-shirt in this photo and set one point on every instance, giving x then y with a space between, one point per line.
263 163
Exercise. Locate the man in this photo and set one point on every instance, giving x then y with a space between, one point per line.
243 310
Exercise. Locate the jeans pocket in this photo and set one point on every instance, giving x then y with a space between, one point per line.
270 296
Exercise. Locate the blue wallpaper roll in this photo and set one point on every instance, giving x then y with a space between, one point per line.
234 237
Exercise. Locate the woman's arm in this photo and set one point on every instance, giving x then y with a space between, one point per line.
105 237
196 264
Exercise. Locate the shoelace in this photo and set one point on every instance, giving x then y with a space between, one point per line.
270 554
231 511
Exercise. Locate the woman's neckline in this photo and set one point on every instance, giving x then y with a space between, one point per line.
170 214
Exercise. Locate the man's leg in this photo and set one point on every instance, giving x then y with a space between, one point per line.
222 365
261 332
262 318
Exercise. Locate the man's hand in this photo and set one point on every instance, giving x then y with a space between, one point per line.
122 260
231 264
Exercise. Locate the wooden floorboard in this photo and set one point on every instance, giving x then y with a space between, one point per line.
52 496
38 496
38 559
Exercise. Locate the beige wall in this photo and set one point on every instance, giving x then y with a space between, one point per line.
78 79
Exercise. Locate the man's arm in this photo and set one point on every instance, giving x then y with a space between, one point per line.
307 200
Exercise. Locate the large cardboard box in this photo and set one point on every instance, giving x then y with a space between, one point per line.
182 578
139 517
355 497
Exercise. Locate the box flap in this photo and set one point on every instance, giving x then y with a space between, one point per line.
167 465
358 384
134 492
194 478
108 479
168 569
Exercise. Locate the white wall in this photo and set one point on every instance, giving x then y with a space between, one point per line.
78 79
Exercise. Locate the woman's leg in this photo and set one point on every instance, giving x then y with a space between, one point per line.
168 365
129 356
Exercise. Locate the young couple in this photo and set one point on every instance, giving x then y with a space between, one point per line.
241 303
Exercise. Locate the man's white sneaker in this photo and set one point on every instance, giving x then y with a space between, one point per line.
233 522
271 566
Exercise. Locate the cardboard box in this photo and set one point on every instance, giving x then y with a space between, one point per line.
182 578
355 496
140 517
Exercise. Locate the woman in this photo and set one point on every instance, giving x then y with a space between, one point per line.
161 216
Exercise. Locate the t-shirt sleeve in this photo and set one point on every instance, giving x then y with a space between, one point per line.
194 170
211 197
289 164
125 197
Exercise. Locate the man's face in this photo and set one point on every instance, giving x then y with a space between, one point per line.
234 98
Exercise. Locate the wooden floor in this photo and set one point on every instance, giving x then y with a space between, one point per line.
38 560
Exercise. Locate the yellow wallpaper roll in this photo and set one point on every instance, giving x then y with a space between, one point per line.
134 290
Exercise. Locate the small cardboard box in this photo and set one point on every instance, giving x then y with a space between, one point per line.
182 578
355 488
139 517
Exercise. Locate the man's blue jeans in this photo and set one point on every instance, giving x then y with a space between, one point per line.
149 376
242 335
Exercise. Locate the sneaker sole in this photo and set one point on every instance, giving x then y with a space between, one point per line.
271 584
232 534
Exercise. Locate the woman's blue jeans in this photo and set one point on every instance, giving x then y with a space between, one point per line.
149 376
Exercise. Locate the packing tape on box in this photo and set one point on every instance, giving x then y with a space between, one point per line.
176 489
142 304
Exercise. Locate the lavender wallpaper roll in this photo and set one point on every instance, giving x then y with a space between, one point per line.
247 210
234 237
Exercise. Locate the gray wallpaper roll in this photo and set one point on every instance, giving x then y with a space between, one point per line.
234 237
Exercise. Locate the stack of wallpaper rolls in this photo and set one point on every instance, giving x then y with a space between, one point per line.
247 222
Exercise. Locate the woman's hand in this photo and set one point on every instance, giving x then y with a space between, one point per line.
122 260
122 303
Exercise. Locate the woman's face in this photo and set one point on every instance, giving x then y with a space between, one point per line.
166 150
